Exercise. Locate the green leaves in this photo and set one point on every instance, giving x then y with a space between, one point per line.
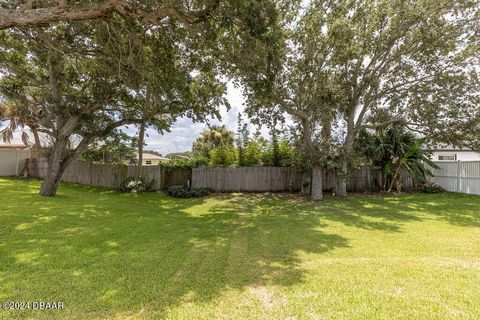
395 150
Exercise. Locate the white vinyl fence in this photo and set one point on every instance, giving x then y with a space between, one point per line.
458 176
12 161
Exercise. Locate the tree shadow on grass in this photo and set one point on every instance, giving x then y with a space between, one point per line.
372 214
388 213
105 253
455 208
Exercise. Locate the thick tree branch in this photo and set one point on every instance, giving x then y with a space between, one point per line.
43 16
285 106
77 152
109 128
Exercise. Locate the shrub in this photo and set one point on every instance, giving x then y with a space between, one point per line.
186 192
184 164
150 187
222 156
135 186
431 187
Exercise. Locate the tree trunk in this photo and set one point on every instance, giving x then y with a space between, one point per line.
52 180
348 145
58 162
394 180
141 133
37 144
317 193
342 180
36 138
141 138
306 187
55 169
316 183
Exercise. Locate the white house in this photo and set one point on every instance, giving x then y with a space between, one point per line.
150 159
13 158
449 153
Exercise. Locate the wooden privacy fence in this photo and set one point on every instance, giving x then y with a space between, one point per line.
265 179
111 176
458 176
220 179
176 177
249 179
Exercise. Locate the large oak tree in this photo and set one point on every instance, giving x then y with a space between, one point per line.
344 61
418 60
86 73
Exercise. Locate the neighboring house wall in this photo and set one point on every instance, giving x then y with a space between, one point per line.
452 155
149 159
12 161
151 162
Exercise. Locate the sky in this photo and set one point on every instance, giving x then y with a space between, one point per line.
185 131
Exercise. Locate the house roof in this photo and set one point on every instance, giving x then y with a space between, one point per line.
45 139
12 146
151 156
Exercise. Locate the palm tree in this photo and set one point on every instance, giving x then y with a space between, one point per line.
19 117
395 150
412 158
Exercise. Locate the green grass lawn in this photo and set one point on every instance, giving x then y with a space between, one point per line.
114 256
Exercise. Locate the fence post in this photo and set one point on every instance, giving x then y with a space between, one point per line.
459 178
16 162
369 180
162 177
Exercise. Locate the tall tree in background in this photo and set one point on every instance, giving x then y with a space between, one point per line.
117 148
242 139
213 138
71 81
88 91
169 82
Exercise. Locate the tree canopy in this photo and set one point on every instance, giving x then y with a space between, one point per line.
93 67
344 61
79 70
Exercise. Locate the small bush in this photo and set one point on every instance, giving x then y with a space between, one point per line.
431 187
150 187
186 192
135 186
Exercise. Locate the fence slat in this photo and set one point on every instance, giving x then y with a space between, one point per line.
458 176
98 175
453 176
270 179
